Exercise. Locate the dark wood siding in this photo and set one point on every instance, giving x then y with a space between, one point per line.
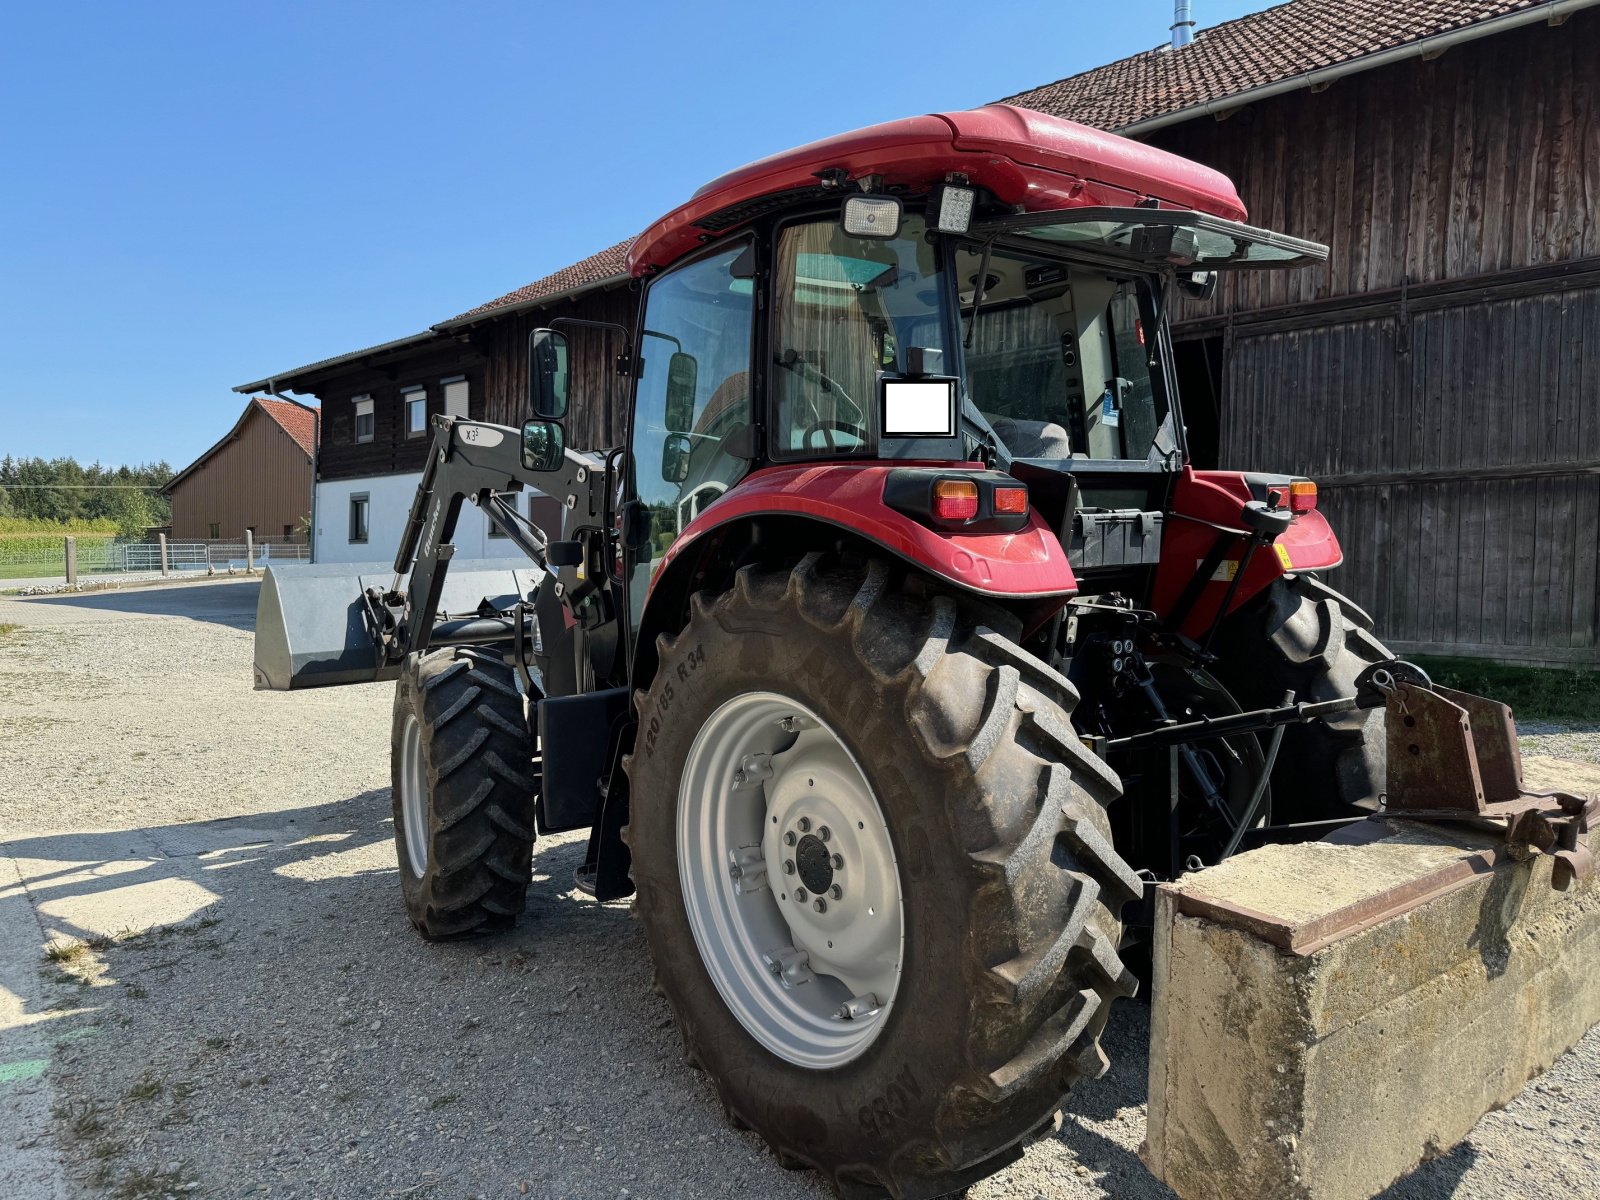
391 451
600 397
1483 160
259 479
1438 375
493 358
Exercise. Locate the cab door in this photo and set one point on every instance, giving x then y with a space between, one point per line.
692 401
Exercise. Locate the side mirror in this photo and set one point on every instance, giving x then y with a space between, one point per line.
547 374
1198 285
635 525
683 375
675 452
544 447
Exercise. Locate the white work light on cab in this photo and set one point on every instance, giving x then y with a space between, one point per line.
872 216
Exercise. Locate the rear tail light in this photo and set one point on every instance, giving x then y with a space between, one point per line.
1302 496
955 500
1011 500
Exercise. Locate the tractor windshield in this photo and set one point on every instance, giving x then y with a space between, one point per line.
848 309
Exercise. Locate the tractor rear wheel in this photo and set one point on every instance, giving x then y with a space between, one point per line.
460 767
1303 636
875 872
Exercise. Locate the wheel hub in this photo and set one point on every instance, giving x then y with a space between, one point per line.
790 880
814 864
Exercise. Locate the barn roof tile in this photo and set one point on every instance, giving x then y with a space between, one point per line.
1253 51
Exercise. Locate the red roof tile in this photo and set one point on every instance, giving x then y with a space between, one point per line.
298 422
1253 51
597 268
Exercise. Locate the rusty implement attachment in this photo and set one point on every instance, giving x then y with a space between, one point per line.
1453 757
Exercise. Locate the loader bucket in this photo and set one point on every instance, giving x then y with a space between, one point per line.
311 623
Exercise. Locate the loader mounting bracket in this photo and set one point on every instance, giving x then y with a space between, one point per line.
1453 757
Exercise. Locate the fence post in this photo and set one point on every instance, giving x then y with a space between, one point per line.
249 553
72 562
162 538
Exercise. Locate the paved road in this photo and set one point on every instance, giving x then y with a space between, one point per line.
260 1021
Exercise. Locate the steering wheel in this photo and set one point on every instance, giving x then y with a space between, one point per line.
827 428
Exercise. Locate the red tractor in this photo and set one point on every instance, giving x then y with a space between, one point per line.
898 654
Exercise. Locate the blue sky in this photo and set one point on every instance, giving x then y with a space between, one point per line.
194 195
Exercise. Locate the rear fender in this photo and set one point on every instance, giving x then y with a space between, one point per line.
1026 571
1204 503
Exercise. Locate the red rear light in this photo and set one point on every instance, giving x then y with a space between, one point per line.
955 499
1302 496
1011 500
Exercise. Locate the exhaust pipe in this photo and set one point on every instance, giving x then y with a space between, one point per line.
312 628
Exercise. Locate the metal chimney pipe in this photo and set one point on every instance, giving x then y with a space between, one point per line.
1182 24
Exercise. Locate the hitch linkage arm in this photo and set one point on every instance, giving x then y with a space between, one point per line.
1371 687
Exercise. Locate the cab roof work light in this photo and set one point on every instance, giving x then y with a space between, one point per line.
872 216
950 208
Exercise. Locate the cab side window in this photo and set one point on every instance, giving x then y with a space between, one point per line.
693 396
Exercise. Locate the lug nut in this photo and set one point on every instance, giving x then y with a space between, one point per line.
736 872
788 866
821 905
805 824
789 838
824 833
800 895
837 860
836 892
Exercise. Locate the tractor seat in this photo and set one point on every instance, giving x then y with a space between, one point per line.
1031 439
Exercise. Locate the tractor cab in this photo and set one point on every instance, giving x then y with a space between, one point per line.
862 301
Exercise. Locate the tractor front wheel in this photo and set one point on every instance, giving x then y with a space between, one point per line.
875 872
460 765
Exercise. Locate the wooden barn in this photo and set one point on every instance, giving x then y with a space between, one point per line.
257 477
1440 376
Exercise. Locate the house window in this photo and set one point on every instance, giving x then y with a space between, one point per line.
511 501
216 529
358 517
288 531
364 420
416 401
455 397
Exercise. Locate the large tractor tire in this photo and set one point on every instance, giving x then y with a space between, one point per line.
461 775
1303 636
876 875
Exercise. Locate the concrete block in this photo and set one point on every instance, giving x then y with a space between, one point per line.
1325 1017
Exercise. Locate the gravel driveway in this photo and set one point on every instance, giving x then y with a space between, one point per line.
252 1016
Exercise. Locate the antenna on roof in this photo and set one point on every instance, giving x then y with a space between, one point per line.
1182 24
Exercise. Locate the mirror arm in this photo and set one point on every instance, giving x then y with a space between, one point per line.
625 359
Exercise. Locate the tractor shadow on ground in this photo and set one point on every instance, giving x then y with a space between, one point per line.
232 603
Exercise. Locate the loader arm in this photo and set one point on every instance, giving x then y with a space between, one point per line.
479 461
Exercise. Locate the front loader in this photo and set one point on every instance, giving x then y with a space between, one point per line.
900 652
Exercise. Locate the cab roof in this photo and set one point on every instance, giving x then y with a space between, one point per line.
1025 158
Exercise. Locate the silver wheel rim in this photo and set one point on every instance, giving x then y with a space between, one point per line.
414 795
772 807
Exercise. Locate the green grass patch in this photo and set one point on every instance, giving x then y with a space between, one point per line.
11 527
6 629
1534 693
